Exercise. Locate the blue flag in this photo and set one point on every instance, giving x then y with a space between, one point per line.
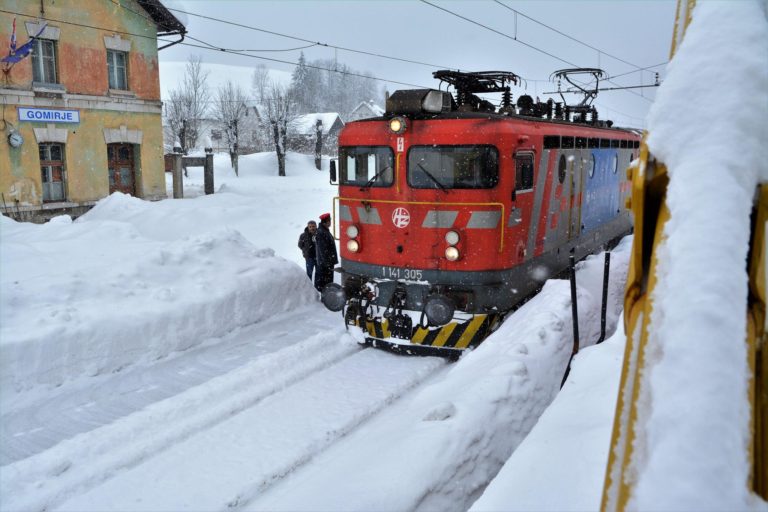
23 50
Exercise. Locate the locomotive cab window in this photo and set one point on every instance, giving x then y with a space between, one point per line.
523 172
448 167
366 166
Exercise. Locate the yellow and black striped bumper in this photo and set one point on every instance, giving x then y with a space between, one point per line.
449 340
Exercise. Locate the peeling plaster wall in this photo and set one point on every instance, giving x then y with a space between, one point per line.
82 71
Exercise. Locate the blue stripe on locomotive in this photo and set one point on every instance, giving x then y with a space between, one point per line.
600 201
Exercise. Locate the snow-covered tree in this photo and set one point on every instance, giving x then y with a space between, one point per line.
230 110
187 105
277 111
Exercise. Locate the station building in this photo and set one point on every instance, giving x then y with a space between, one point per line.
81 114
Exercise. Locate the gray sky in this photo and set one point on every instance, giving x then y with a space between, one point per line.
638 32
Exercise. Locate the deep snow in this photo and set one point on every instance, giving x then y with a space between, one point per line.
184 371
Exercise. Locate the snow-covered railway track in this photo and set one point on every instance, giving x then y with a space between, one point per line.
35 421
244 420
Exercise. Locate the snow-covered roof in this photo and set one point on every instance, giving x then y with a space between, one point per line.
370 105
305 125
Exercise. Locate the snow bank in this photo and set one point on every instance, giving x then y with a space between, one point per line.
709 126
561 464
132 281
127 299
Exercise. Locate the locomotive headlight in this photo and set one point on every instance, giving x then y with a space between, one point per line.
397 125
353 246
352 231
452 238
452 254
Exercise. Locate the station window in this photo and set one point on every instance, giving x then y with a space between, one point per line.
53 172
366 166
117 69
524 172
44 61
448 167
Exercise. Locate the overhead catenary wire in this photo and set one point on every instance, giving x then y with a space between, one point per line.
316 43
211 47
214 48
600 51
517 40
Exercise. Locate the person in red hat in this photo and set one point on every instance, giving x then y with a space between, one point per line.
326 256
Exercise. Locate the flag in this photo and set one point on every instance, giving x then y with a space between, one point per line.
23 50
13 38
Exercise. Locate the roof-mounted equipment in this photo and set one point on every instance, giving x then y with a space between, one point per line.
419 101
584 112
469 84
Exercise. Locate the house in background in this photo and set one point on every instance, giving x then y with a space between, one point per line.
365 110
82 115
302 132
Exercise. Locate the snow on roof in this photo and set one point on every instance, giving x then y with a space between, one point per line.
377 110
305 124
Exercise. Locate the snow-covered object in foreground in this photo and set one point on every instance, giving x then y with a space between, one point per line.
561 464
125 298
709 125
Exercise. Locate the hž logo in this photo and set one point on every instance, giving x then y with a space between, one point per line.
401 218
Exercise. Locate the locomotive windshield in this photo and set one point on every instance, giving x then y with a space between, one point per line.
366 166
447 167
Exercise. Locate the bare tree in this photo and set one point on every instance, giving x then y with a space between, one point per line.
187 105
196 88
260 82
230 110
277 111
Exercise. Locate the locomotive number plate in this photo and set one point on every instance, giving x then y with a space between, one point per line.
401 273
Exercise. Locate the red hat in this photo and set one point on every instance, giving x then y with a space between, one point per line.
325 216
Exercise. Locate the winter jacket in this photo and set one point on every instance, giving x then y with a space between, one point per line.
307 244
325 247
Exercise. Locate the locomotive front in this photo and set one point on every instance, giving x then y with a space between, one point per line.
451 212
421 225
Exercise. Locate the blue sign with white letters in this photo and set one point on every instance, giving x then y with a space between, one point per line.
49 115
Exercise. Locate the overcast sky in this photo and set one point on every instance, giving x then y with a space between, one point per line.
637 32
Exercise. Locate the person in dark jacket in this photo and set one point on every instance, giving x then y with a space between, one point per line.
307 246
325 248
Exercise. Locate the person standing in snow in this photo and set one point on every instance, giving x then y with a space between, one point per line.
307 246
325 248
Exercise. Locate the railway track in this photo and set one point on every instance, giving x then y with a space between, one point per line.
94 441
293 414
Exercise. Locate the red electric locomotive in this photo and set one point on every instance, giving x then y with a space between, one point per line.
451 212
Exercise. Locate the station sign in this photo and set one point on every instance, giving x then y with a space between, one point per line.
49 115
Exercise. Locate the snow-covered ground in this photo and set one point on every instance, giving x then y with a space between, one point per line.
173 355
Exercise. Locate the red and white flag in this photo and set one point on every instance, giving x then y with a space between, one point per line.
13 38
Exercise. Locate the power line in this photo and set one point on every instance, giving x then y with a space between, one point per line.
499 33
144 16
515 39
570 37
213 48
320 68
317 43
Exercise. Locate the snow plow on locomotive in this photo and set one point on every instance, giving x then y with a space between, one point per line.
451 212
